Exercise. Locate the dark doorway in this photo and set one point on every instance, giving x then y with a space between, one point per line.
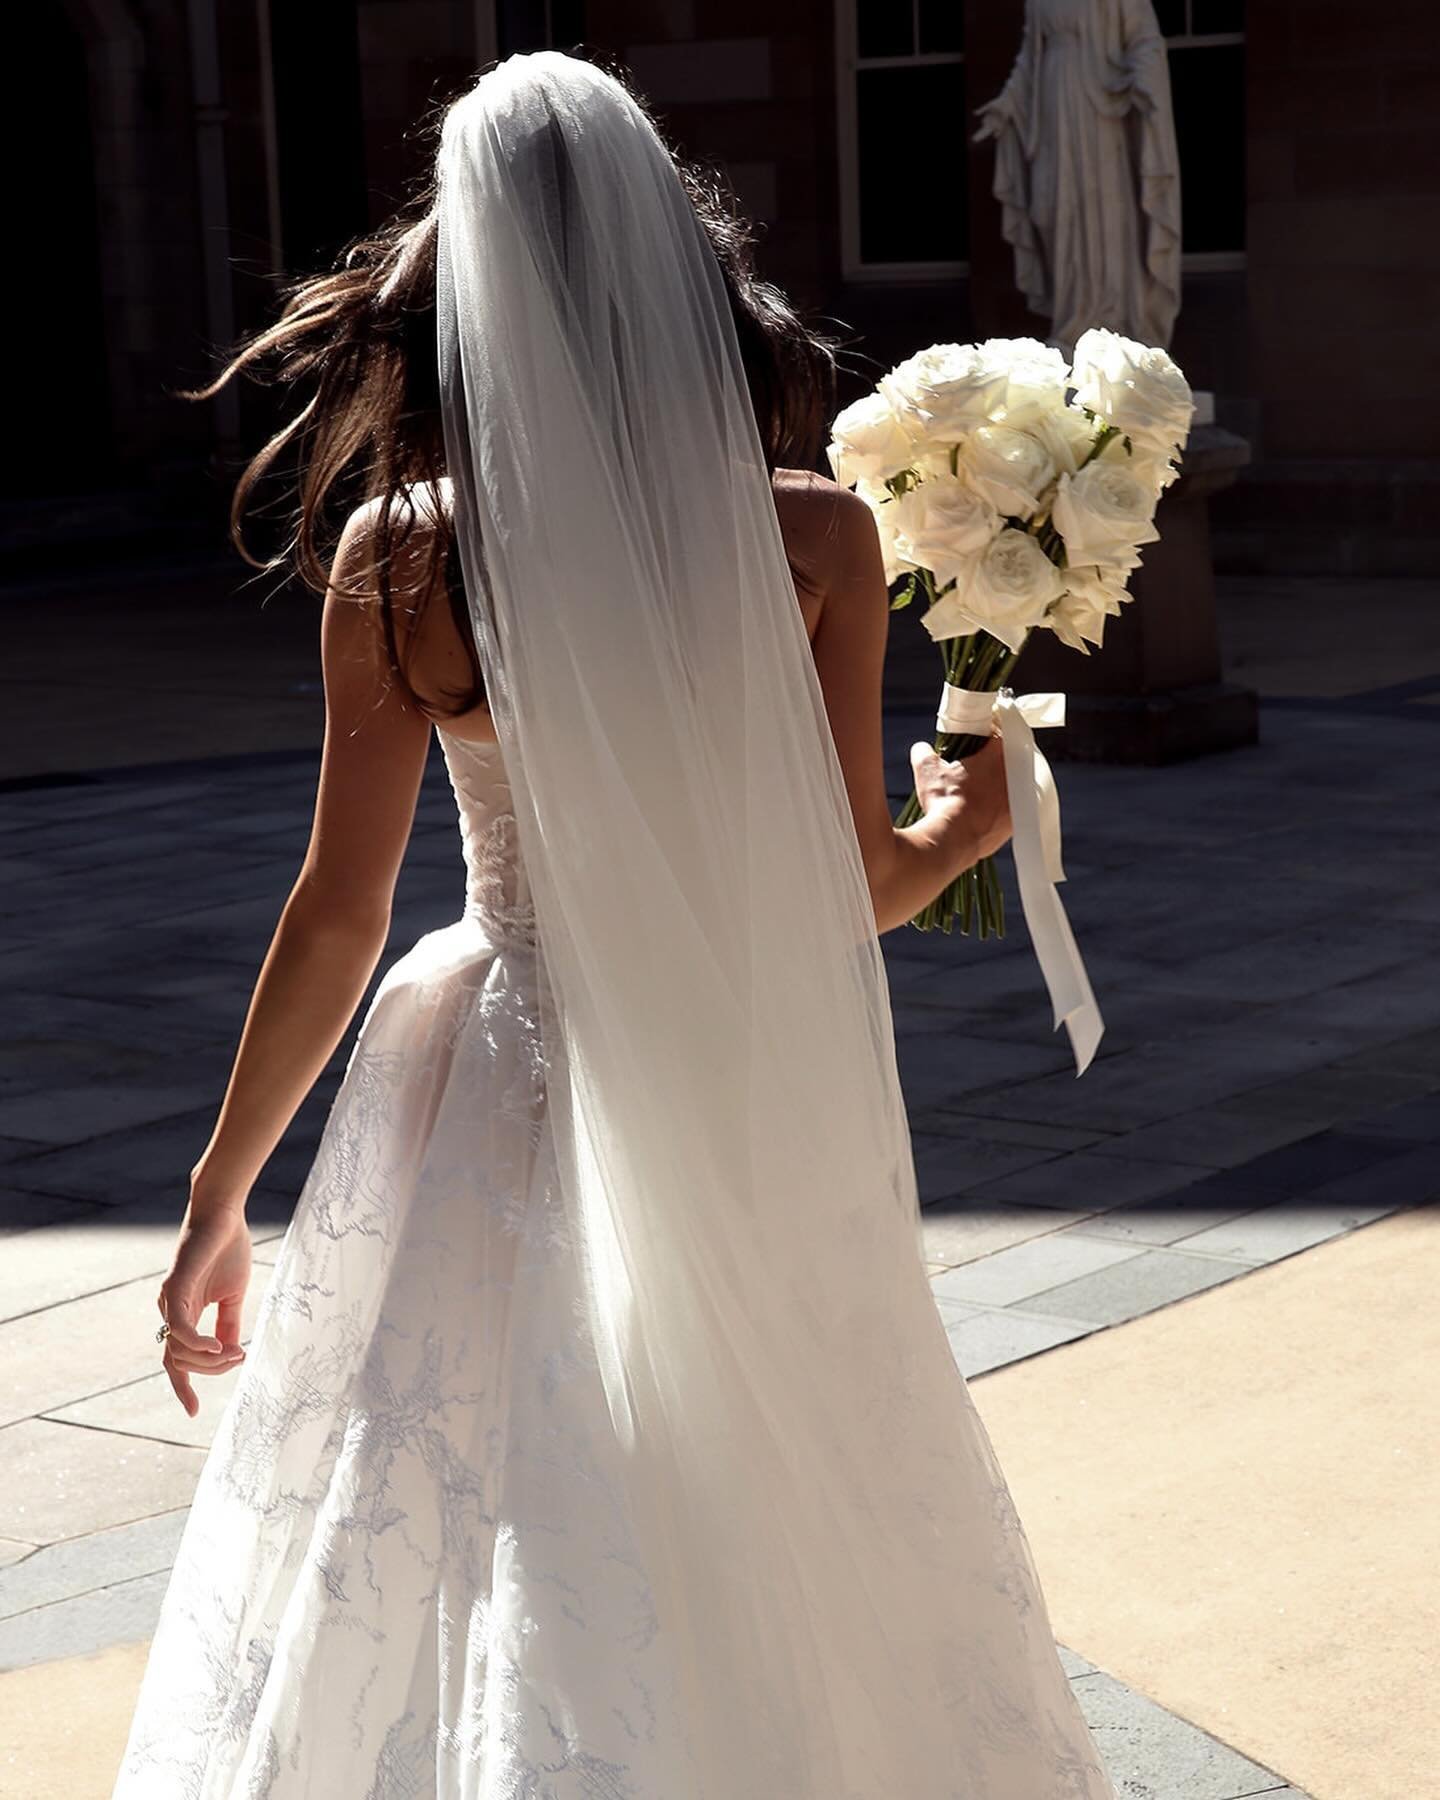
58 373
319 130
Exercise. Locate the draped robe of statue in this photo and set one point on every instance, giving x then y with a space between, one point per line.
1087 171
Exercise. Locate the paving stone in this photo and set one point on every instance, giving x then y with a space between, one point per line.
1073 1663
88 1346
73 1115
1231 1135
912 1020
1012 1275
988 974
1412 1053
962 1231
52 1038
1412 1179
940 1122
13 1551
945 1165
1373 1012
1182 933
1091 1180
80 1564
954 1312
1135 1015
990 1340
1416 1119
1153 1081
125 1613
21 1211
1292 1165
1311 960
1280 1230
102 1248
1296 1169
1137 1285
1164 1220
130 1165
62 1481
931 1076
1339 1094
1154 1755
148 1409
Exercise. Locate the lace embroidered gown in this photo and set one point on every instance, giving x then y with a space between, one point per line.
409 1568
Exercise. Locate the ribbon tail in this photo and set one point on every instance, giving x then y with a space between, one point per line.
1054 942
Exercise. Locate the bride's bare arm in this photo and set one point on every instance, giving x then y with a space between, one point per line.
966 811
334 924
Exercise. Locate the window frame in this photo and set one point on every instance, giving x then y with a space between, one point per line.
848 63
1206 262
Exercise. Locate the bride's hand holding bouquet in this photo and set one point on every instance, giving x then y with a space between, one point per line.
973 791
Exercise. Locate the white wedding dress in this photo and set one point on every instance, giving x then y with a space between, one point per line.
412 1566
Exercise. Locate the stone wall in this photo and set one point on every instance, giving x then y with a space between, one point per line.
1343 287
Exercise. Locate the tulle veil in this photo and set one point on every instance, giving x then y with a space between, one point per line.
732 1142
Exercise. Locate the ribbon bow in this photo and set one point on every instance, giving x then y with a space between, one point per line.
1035 817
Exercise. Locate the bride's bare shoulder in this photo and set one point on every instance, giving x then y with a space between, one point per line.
811 501
816 517
824 525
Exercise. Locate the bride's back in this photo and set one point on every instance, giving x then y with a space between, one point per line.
436 660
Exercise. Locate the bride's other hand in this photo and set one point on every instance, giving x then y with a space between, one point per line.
211 1266
973 791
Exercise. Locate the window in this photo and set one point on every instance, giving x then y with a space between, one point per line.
1207 83
525 25
903 126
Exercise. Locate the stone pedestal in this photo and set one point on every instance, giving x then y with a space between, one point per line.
1155 692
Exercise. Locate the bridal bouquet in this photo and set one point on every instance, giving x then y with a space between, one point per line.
1012 492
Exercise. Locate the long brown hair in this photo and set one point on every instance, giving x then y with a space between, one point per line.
357 348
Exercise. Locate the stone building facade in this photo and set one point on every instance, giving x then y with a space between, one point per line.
188 152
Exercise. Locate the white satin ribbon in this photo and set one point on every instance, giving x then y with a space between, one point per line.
1035 819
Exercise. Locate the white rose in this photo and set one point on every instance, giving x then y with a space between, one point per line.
1078 622
1154 470
883 509
1101 585
1006 593
1069 435
948 618
1036 377
943 525
868 442
1010 468
1103 513
1134 387
933 458
944 392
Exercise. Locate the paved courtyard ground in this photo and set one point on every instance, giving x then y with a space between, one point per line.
1261 929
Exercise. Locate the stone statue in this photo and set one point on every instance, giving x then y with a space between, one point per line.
1087 172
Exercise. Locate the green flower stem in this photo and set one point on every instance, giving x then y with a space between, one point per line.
983 664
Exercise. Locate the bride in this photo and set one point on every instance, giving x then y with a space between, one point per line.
598 1438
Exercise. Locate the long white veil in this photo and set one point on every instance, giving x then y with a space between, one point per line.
733 1149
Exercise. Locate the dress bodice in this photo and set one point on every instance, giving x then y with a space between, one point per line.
497 893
